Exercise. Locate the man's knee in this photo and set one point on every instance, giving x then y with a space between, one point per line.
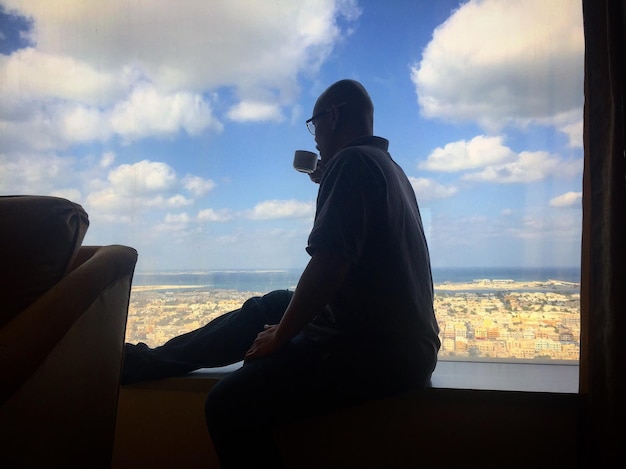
278 299
270 306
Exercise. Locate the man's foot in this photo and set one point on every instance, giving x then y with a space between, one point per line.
134 348
136 366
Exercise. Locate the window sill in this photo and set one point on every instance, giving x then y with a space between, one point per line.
507 376
494 376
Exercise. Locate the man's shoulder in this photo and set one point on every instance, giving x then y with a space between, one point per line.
363 149
361 161
367 143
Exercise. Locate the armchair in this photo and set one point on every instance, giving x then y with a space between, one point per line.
61 355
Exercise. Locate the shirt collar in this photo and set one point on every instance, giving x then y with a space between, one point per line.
372 140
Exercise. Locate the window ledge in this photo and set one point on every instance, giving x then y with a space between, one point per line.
495 376
507 376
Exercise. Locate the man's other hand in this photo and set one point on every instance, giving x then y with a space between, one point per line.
266 343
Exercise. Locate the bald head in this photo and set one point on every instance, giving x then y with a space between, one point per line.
355 106
344 113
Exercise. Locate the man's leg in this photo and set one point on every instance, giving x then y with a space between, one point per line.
301 380
245 407
222 341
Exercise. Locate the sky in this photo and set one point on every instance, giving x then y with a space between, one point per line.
174 123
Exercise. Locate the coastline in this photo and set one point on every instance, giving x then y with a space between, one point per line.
143 288
507 285
475 285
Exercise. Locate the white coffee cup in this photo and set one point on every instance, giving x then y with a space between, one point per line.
305 161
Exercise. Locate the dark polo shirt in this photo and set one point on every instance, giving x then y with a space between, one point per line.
367 213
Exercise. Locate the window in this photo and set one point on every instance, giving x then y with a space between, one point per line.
176 135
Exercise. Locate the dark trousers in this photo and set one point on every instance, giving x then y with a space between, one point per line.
303 379
222 341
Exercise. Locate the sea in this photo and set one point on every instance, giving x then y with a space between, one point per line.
268 280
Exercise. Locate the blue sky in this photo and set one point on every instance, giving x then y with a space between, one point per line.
174 123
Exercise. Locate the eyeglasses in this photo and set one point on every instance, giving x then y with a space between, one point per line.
310 124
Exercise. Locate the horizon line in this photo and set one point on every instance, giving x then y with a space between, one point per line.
289 269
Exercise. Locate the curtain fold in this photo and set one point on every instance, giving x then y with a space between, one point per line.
603 282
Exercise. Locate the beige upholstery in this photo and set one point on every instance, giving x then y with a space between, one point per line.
60 364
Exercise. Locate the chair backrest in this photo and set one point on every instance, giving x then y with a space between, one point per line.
39 238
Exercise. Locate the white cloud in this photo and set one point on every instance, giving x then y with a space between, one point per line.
177 218
39 131
144 177
149 112
210 215
112 205
500 62
30 75
108 158
174 223
146 112
83 124
270 39
529 167
177 201
428 189
255 111
497 163
574 133
145 185
197 185
35 174
569 199
477 153
273 209
109 203
118 68
68 193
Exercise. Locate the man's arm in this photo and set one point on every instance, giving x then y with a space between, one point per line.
317 286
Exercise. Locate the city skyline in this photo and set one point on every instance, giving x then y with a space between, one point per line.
174 125
481 320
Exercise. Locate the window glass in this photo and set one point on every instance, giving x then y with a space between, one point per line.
174 125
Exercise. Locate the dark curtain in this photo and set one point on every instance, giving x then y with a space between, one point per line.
603 283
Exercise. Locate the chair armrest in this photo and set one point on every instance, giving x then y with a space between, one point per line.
83 255
28 338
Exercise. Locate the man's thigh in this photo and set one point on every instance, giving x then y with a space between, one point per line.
292 384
